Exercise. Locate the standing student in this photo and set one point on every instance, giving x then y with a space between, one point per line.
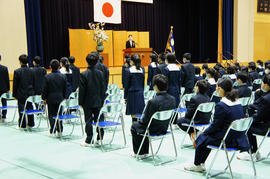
125 67
4 86
54 92
162 63
135 88
152 70
66 70
75 73
23 87
101 67
91 97
172 72
187 74
39 75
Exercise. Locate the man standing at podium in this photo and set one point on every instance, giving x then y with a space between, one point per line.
130 43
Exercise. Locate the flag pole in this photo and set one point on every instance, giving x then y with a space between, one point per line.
168 38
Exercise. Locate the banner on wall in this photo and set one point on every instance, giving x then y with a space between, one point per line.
141 1
108 11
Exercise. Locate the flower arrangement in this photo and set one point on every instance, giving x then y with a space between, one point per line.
99 34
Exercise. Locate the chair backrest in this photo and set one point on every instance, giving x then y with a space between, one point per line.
225 76
74 95
250 87
113 91
182 90
163 115
113 86
34 99
66 104
146 88
241 124
244 101
214 94
7 96
149 94
186 98
235 84
114 98
261 73
206 107
112 108
257 81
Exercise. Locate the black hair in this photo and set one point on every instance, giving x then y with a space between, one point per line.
243 76
237 66
213 73
54 64
136 60
23 59
197 70
92 59
162 56
71 59
128 57
171 58
129 35
260 62
244 69
154 58
101 58
64 61
266 63
266 79
161 82
267 67
231 70
227 85
203 86
37 60
187 56
204 66
252 65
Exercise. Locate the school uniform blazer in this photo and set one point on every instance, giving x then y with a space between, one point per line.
103 68
4 80
243 91
124 68
55 87
254 75
221 72
39 76
172 72
258 94
161 67
135 79
195 101
23 83
75 77
212 87
197 78
187 75
92 88
152 71
163 101
128 45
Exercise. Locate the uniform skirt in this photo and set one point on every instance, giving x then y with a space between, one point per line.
135 102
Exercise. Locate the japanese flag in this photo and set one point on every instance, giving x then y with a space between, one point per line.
108 11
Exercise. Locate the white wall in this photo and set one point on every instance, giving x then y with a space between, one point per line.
13 40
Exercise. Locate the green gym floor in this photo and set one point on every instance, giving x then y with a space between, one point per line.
33 155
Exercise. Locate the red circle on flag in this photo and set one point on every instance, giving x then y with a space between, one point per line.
107 9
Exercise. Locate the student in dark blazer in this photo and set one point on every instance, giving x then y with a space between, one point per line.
259 66
125 67
253 74
130 43
162 63
172 72
39 74
204 68
23 87
135 88
163 101
152 70
187 74
212 76
54 92
75 73
200 97
242 88
259 110
4 86
101 67
67 71
91 96
226 111
197 74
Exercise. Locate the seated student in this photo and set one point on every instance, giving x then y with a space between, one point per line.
23 87
75 73
242 88
204 68
163 101
259 66
162 64
226 111
237 66
220 69
260 112
197 74
66 70
125 67
4 86
54 92
231 71
252 71
187 74
200 118
212 78
39 74
172 71
152 70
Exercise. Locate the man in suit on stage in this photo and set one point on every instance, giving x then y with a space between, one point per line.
4 86
130 43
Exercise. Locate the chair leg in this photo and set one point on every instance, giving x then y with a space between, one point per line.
229 161
81 123
59 125
144 136
99 133
123 130
151 147
174 144
253 164
211 165
262 142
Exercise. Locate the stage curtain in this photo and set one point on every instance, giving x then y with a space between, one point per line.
33 29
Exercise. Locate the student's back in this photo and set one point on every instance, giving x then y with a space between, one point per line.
39 74
75 77
104 69
152 71
187 76
4 79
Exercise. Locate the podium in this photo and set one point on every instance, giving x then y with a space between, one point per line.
143 52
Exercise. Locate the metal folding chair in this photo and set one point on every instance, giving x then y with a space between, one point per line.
115 111
186 99
260 145
204 108
146 88
245 102
215 97
256 84
113 91
63 114
241 125
149 95
160 116
182 91
39 110
235 84
8 97
116 98
261 73
113 86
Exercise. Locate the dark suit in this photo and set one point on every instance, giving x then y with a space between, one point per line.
4 86
187 77
128 45
103 68
200 118
243 91
23 87
54 92
75 77
163 101
39 74
91 98
161 67
260 113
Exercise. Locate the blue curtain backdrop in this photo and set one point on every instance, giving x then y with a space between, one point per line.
34 30
227 29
